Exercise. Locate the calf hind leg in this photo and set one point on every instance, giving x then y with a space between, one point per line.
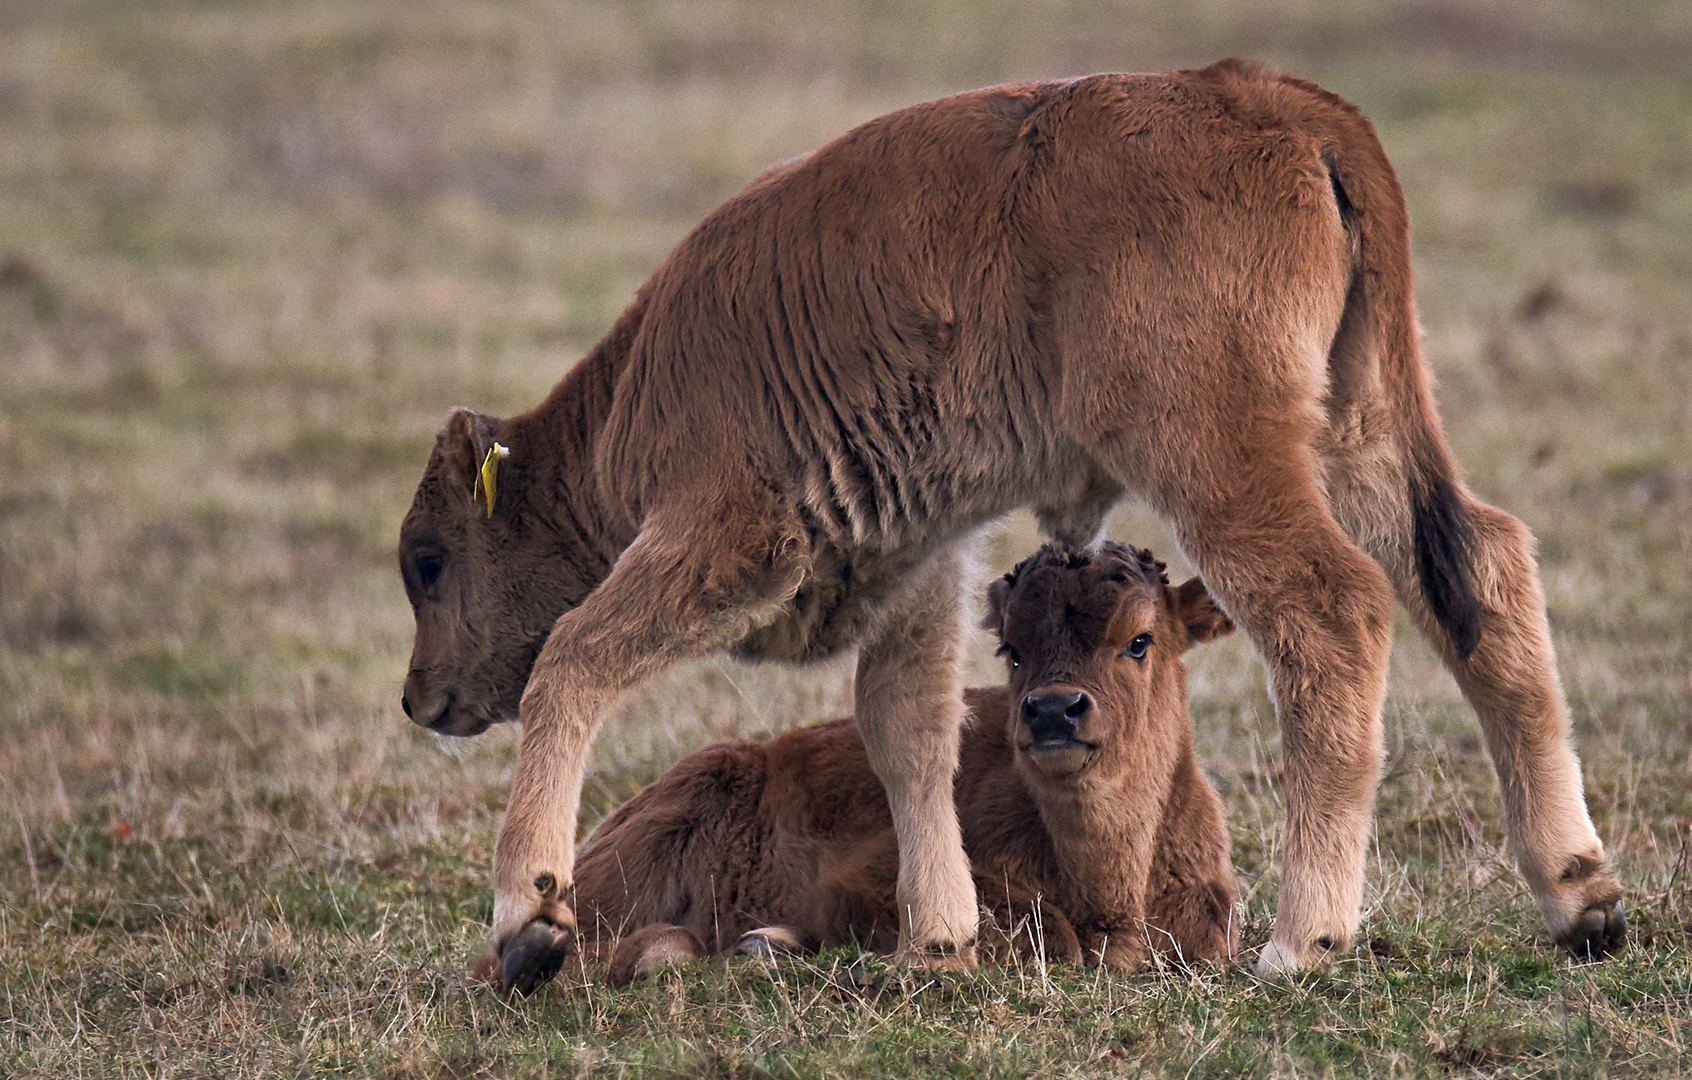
1510 677
1318 611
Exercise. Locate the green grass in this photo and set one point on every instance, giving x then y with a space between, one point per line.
251 254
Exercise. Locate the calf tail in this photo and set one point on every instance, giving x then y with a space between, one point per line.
1444 542
1379 322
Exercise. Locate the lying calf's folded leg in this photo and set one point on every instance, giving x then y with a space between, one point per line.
651 948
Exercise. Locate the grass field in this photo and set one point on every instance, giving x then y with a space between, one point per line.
251 254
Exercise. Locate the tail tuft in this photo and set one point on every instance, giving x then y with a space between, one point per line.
1445 545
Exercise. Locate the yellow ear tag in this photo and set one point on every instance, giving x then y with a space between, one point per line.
487 485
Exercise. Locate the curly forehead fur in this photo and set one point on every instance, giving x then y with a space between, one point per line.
1125 558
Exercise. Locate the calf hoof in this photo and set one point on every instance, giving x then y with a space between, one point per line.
1599 931
937 956
533 956
770 942
1279 958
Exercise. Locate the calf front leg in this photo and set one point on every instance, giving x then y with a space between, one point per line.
1190 905
909 710
1016 921
694 581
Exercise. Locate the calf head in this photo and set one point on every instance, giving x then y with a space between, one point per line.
1093 640
486 568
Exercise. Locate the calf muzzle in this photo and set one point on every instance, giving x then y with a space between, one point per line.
435 711
1053 713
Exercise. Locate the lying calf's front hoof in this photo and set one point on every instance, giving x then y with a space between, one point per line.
1600 931
1123 952
770 942
531 957
485 971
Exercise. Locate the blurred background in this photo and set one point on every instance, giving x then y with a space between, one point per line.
250 254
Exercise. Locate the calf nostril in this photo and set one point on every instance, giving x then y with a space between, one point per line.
1064 707
405 702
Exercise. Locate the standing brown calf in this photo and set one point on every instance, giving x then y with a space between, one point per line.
1089 827
1191 287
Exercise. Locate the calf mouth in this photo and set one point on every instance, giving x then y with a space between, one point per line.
461 727
1060 756
459 721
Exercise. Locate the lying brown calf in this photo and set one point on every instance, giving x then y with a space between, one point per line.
1077 790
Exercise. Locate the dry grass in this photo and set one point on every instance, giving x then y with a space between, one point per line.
250 255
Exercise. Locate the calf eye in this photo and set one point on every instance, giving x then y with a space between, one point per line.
1010 656
1136 649
429 566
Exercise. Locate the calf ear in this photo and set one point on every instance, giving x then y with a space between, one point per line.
996 593
1197 611
465 444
